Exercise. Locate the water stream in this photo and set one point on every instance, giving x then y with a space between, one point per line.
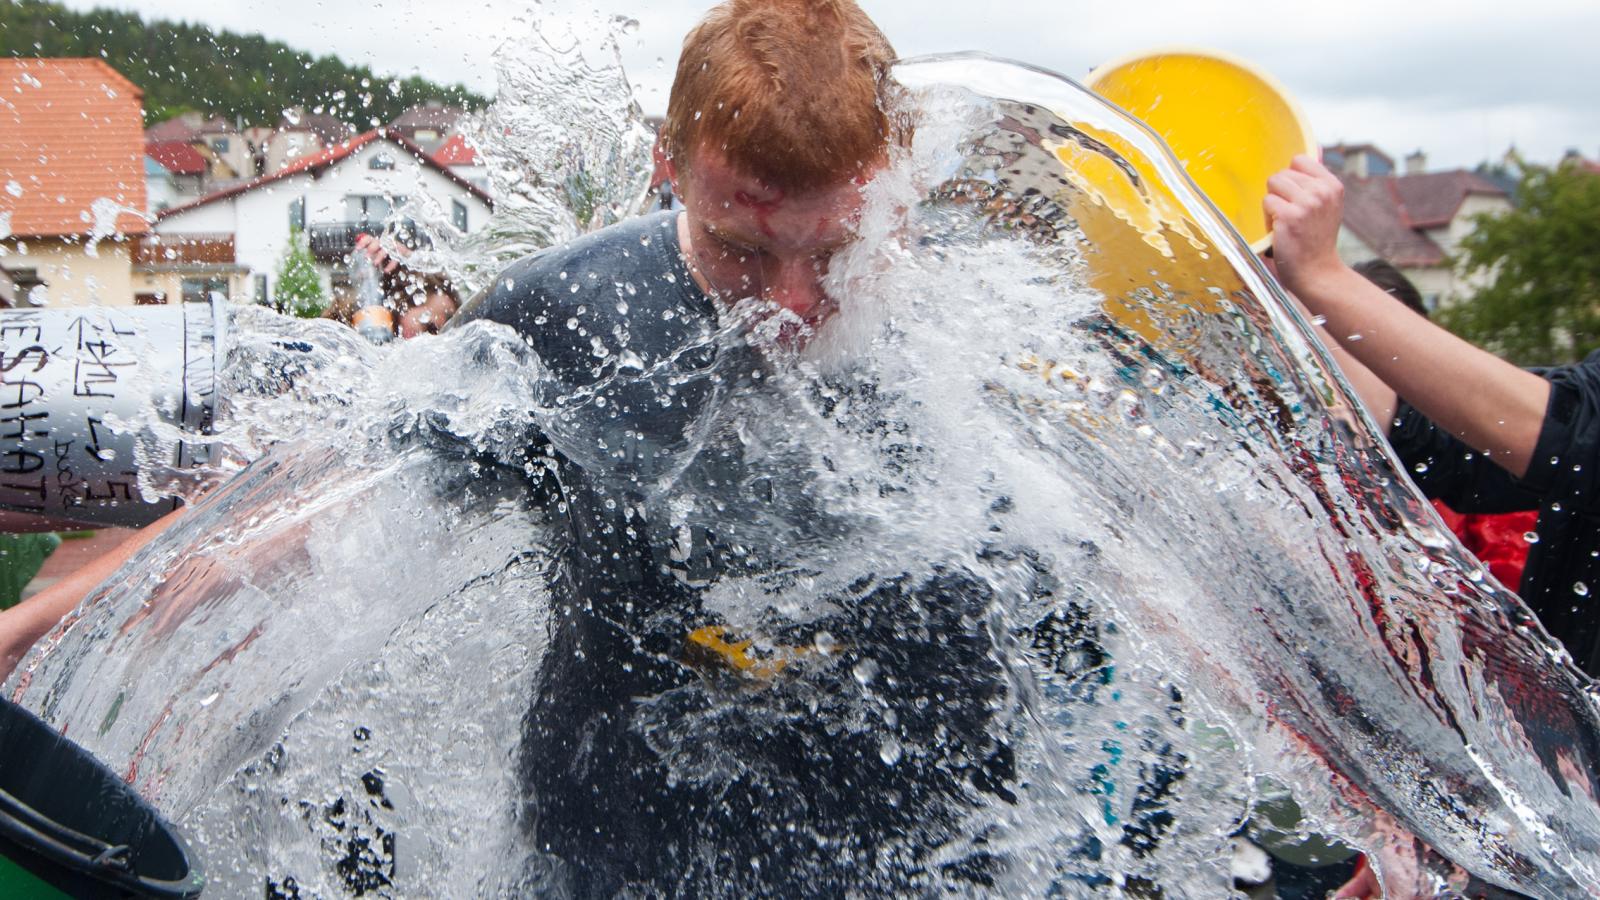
1058 380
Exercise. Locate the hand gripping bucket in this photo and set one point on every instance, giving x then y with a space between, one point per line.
89 396
69 827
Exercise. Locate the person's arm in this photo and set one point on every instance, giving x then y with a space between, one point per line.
23 625
1379 398
1490 404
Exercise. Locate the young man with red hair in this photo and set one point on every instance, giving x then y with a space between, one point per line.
651 762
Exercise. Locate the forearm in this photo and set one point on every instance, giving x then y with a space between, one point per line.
24 624
1491 405
1375 394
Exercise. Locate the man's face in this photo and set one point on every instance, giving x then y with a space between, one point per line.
747 238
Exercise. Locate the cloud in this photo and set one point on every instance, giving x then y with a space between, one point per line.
1462 80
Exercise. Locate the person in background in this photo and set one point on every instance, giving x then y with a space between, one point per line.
414 303
1499 540
1473 430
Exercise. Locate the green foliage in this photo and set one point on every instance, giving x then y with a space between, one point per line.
184 67
21 557
1541 303
299 291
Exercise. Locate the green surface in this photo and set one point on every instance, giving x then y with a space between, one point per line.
17 882
21 556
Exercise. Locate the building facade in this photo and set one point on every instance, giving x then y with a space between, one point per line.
73 200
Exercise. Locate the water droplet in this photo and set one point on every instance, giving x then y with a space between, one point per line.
1319 321
890 751
1581 589
1531 537
865 671
1420 468
572 324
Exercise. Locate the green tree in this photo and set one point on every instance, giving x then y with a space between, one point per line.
182 66
299 290
1540 303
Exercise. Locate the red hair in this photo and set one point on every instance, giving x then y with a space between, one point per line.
790 90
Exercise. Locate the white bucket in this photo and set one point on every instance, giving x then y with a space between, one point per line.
89 396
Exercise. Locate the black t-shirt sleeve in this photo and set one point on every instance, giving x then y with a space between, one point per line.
1566 461
1447 469
528 296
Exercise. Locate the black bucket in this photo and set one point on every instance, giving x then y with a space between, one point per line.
70 827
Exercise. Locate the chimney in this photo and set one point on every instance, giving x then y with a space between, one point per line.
1416 162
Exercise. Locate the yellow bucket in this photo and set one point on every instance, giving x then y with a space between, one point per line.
1230 124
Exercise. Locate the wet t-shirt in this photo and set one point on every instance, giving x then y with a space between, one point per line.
677 466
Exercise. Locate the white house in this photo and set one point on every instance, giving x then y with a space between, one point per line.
333 196
459 156
1415 220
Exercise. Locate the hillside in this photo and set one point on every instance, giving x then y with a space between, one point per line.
182 67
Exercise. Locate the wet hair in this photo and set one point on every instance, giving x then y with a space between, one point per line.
790 90
1394 283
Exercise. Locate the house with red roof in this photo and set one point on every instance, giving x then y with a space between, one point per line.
1414 220
228 155
174 172
360 185
459 156
72 180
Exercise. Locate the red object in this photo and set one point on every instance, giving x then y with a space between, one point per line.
1498 539
176 157
71 134
456 152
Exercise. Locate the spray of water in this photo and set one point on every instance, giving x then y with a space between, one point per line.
1174 559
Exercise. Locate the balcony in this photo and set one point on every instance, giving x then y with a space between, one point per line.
159 252
332 242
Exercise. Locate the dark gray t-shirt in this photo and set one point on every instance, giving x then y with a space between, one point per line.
640 372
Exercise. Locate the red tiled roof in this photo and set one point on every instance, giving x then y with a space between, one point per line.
177 157
316 163
1391 213
1372 210
70 135
1432 199
456 152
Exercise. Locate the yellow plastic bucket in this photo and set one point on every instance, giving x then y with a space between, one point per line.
1230 124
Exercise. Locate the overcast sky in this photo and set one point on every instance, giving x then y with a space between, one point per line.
1459 80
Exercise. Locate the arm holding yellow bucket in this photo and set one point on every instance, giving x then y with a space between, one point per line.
1490 404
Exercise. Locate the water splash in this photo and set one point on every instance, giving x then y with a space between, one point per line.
1192 564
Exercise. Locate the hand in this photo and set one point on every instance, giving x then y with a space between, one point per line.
372 249
1305 206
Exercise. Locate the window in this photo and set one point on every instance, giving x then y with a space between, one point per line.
381 161
458 215
261 295
199 290
219 144
297 214
155 298
367 209
424 135
30 286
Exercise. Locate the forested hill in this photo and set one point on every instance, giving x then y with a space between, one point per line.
182 67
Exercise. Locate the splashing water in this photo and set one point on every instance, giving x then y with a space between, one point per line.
1065 438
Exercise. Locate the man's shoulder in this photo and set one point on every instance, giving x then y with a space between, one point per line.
568 275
